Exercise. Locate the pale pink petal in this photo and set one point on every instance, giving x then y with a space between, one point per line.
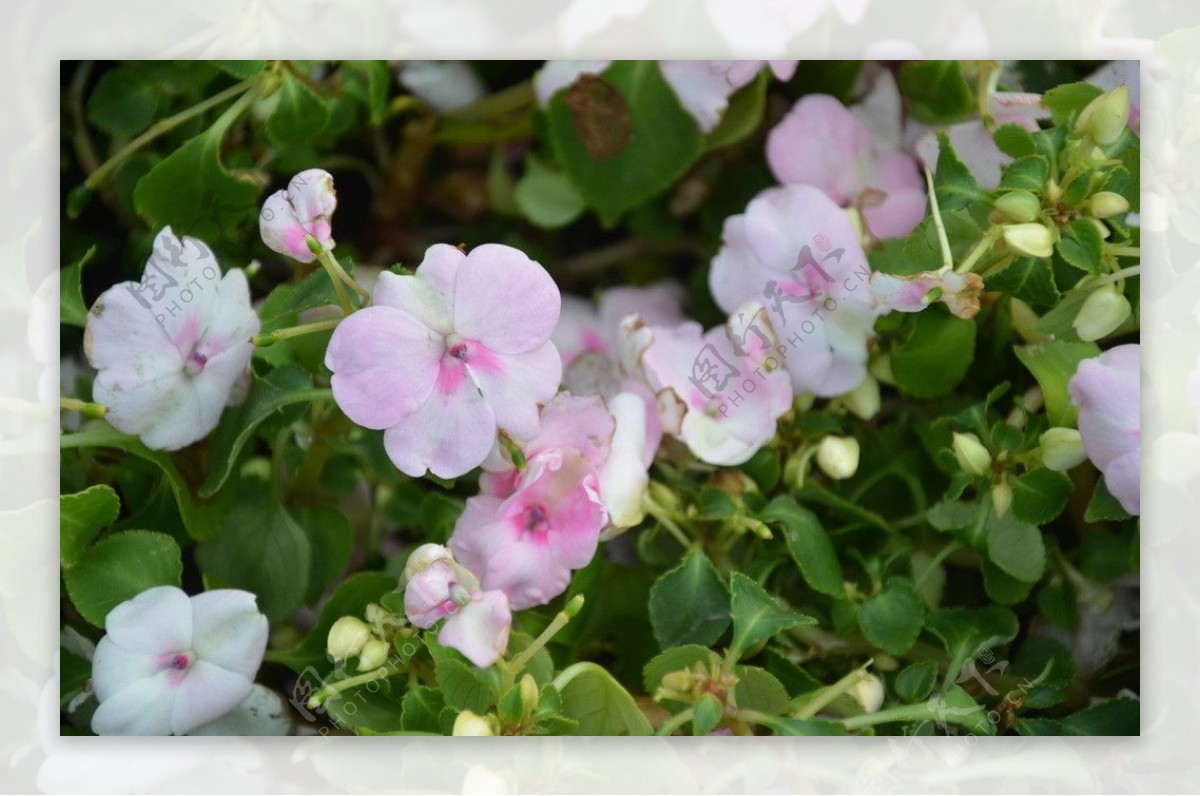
449 435
554 76
1123 479
881 111
514 385
205 693
427 594
704 87
281 231
477 534
384 365
505 300
820 143
783 69
903 205
157 621
623 477
1107 391
579 331
578 423
658 304
142 708
529 576
428 296
480 629
229 631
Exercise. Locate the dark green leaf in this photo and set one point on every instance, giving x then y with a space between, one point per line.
706 714
72 310
1053 364
1116 717
350 599
120 567
546 196
674 660
935 355
123 103
953 182
300 114
952 515
760 691
1082 246
916 681
464 686
892 619
968 631
1028 173
689 604
1040 496
81 518
1103 506
1014 140
1016 547
1067 101
421 708
592 697
1003 588
936 91
808 544
715 504
330 539
756 615
1030 279
811 727
744 114
241 69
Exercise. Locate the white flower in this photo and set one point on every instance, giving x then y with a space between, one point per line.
174 349
171 663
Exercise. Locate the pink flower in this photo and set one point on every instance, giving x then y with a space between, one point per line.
725 399
173 350
822 143
171 663
1107 390
444 358
437 587
972 140
527 543
306 208
703 87
794 250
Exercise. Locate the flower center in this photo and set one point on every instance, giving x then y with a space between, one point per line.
459 351
535 517
194 364
179 662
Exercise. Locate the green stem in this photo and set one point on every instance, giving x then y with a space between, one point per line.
1124 251
294 331
660 513
334 689
163 126
675 722
83 407
338 273
938 559
511 669
907 713
943 241
810 706
1116 276
987 242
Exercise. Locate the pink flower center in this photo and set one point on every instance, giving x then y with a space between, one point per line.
535 517
194 364
179 662
459 351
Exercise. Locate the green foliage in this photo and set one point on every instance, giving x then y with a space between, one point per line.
118 568
689 604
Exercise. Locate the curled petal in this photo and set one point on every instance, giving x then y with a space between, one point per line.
480 629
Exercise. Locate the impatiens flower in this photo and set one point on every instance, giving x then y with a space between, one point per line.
1107 390
438 587
174 349
593 328
973 142
443 358
703 87
821 143
305 209
795 251
527 543
915 292
170 663
727 387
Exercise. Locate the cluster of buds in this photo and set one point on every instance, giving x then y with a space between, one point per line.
975 459
520 708
700 679
370 641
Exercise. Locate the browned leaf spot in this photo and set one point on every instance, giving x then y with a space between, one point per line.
601 116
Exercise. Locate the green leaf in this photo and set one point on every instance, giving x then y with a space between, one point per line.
756 615
622 136
706 714
814 492
808 544
1003 588
673 660
956 706
192 192
1103 506
269 394
892 619
330 539
369 81
1120 716
350 599
120 567
123 103
689 604
1028 173
1067 101
241 69
952 515
744 114
1082 246
300 114
760 691
715 504
1014 140
261 549
202 520
811 727
1040 496
72 310
968 631
464 685
592 697
934 357
1041 727
1030 279
916 681
81 518
1016 547
936 91
953 182
546 196
1053 364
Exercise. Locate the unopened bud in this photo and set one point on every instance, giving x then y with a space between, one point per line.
574 606
1105 117
881 368
529 693
838 457
374 654
868 692
1105 204
864 400
971 455
678 682
1002 496
347 637
1031 240
420 559
1103 311
469 723
1062 449
1021 206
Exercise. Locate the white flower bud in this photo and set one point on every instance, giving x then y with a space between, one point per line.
864 400
1031 240
1103 311
1105 117
1062 449
868 692
1105 204
838 457
469 723
374 654
347 637
1021 206
420 559
1002 496
971 455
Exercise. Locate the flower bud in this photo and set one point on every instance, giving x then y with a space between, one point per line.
1103 311
1024 321
1002 496
868 692
374 654
838 457
1105 204
1104 118
971 455
529 693
1031 240
421 558
680 682
1021 206
469 723
347 637
1062 449
292 218
864 400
